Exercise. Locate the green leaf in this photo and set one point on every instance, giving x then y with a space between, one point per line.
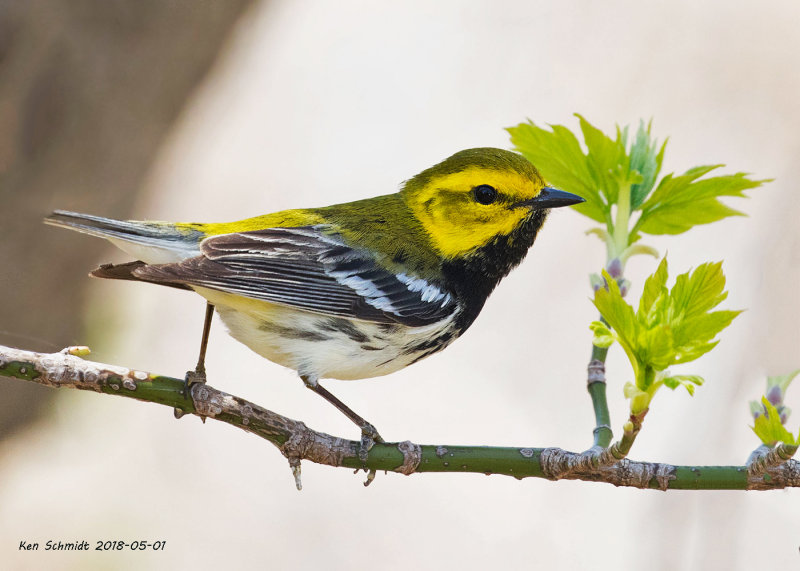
558 155
679 217
671 326
654 286
702 328
618 314
769 429
657 347
700 291
637 249
646 162
681 202
607 160
671 186
686 381
640 400
606 166
602 335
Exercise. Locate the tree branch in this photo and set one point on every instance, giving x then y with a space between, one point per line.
298 442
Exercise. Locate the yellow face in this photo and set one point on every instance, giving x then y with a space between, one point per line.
464 210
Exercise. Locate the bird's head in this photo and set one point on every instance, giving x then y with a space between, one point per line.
477 195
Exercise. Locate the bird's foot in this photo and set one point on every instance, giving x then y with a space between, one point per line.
369 437
196 377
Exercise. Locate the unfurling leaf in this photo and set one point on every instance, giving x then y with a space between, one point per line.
602 336
686 381
640 400
647 162
775 393
769 428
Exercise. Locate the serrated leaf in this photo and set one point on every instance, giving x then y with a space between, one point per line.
699 291
703 328
559 157
615 310
768 426
677 218
606 159
692 351
656 346
671 186
671 326
606 166
619 316
681 202
654 286
724 185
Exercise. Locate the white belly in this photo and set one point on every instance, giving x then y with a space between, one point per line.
323 346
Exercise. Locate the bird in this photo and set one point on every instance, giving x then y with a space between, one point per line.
354 290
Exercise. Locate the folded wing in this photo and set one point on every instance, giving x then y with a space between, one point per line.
307 269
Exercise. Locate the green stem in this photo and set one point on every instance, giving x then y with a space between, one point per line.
603 434
623 218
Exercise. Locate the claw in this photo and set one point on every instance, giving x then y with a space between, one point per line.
369 437
196 377
193 378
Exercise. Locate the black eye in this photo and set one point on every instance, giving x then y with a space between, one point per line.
485 194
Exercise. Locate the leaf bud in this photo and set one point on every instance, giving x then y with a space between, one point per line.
614 268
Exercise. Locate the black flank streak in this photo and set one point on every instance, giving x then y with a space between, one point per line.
293 333
435 343
343 326
423 355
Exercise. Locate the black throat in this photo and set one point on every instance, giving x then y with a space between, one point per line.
474 277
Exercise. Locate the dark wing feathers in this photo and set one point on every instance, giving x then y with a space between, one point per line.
126 272
307 269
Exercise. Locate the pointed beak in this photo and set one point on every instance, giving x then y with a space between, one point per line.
551 198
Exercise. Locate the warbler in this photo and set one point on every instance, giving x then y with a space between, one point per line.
353 290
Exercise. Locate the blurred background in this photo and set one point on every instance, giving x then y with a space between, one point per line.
215 111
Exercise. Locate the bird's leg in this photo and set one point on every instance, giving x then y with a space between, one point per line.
198 376
369 435
199 373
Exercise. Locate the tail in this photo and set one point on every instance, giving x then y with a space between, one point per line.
152 242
